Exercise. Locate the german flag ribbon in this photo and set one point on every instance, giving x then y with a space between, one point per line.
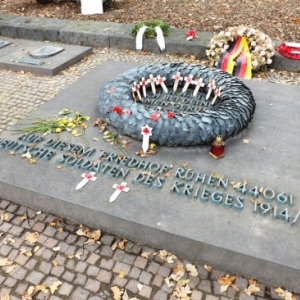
244 64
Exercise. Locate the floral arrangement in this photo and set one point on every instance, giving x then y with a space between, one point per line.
75 125
260 45
150 31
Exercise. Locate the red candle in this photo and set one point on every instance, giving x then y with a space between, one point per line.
217 148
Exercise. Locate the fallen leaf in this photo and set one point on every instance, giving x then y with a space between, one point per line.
224 288
191 269
235 185
235 287
117 292
36 248
245 181
55 262
25 252
168 174
285 294
122 244
261 190
56 248
169 283
185 164
26 155
246 141
251 289
59 167
145 254
139 286
12 152
38 212
226 280
41 288
5 262
122 274
177 272
6 297
11 268
95 139
32 237
114 246
4 217
95 235
78 254
31 161
54 286
23 218
208 268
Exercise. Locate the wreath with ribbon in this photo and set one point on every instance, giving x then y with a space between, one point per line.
240 49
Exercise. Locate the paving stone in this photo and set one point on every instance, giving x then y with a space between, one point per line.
31 263
119 267
62 235
145 291
243 296
21 288
47 254
163 271
12 208
35 277
93 258
133 248
134 273
104 276
80 266
71 238
145 277
2 278
202 272
61 259
231 292
63 246
70 251
68 276
18 242
80 279
158 280
160 295
121 282
215 274
196 295
106 251
211 297
21 259
128 259
80 294
92 285
241 282
194 281
140 262
65 289
16 230
57 270
5 291
70 264
4 204
107 239
118 255
5 227
45 267
49 231
42 238
4 250
107 263
50 243
92 271
39 227
166 288
132 286
49 280
205 286
10 282
153 268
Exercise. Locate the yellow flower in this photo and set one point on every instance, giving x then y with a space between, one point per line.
71 125
58 130
83 125
87 118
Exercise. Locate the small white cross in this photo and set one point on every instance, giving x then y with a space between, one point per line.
146 132
217 94
160 80
211 86
86 178
199 83
119 189
176 78
189 80
143 83
136 88
152 80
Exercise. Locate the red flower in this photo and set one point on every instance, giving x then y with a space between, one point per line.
191 35
117 109
127 111
146 131
170 115
155 116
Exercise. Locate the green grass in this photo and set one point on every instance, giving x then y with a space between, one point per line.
150 31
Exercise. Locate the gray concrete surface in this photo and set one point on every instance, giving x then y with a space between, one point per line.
251 245
19 49
114 35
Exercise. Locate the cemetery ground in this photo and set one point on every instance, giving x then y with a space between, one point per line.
280 19
48 257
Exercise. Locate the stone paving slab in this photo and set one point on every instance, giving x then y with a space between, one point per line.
113 35
241 242
52 65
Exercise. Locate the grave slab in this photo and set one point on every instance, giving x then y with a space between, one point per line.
235 240
19 50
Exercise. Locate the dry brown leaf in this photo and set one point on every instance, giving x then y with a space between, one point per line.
122 274
139 286
56 248
6 297
122 244
252 281
245 181
261 190
54 286
145 254
59 167
8 241
26 155
95 139
117 292
25 252
191 269
169 283
208 268
177 272
246 141
168 174
32 237
36 248
235 287
78 254
11 268
226 280
4 217
23 218
251 289
41 288
235 185
4 262
224 288
31 161
95 235
285 294
185 164
55 262
114 246
27 295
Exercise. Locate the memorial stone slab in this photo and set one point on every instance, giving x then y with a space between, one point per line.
250 228
46 51
4 44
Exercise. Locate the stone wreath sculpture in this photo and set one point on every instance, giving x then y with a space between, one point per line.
224 104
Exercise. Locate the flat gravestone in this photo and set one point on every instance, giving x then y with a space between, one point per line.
194 213
46 51
4 44
40 58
